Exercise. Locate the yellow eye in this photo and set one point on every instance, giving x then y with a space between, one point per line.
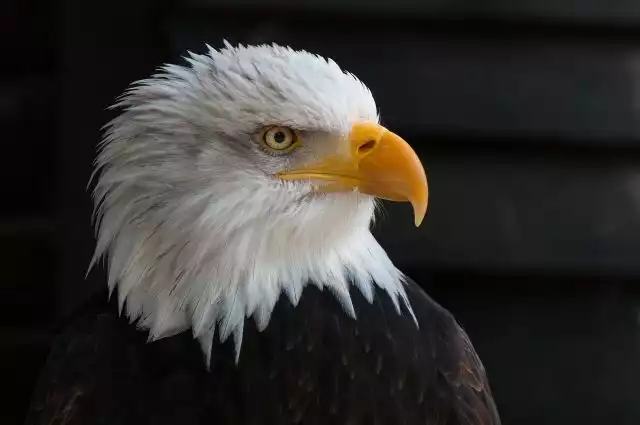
279 139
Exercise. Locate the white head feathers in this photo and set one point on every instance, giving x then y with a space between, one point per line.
196 231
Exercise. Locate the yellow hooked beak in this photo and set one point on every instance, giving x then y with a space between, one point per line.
376 162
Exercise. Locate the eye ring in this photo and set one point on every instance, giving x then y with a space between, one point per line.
279 139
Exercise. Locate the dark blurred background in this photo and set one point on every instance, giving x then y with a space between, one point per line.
524 111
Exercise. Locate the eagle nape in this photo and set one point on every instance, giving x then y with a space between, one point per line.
233 301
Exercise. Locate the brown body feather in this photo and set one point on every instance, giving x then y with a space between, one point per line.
312 365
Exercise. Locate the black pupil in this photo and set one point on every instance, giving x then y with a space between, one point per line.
279 137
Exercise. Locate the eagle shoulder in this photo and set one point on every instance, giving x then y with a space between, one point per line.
461 378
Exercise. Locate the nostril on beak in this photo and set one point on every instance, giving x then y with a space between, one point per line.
366 147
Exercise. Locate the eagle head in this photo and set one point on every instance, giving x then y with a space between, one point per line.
248 172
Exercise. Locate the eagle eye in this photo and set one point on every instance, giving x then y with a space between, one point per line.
279 139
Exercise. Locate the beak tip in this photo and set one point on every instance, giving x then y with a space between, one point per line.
419 211
419 204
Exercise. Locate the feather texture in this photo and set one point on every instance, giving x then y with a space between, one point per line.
196 231
312 365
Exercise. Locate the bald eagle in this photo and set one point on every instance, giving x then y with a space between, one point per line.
234 196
